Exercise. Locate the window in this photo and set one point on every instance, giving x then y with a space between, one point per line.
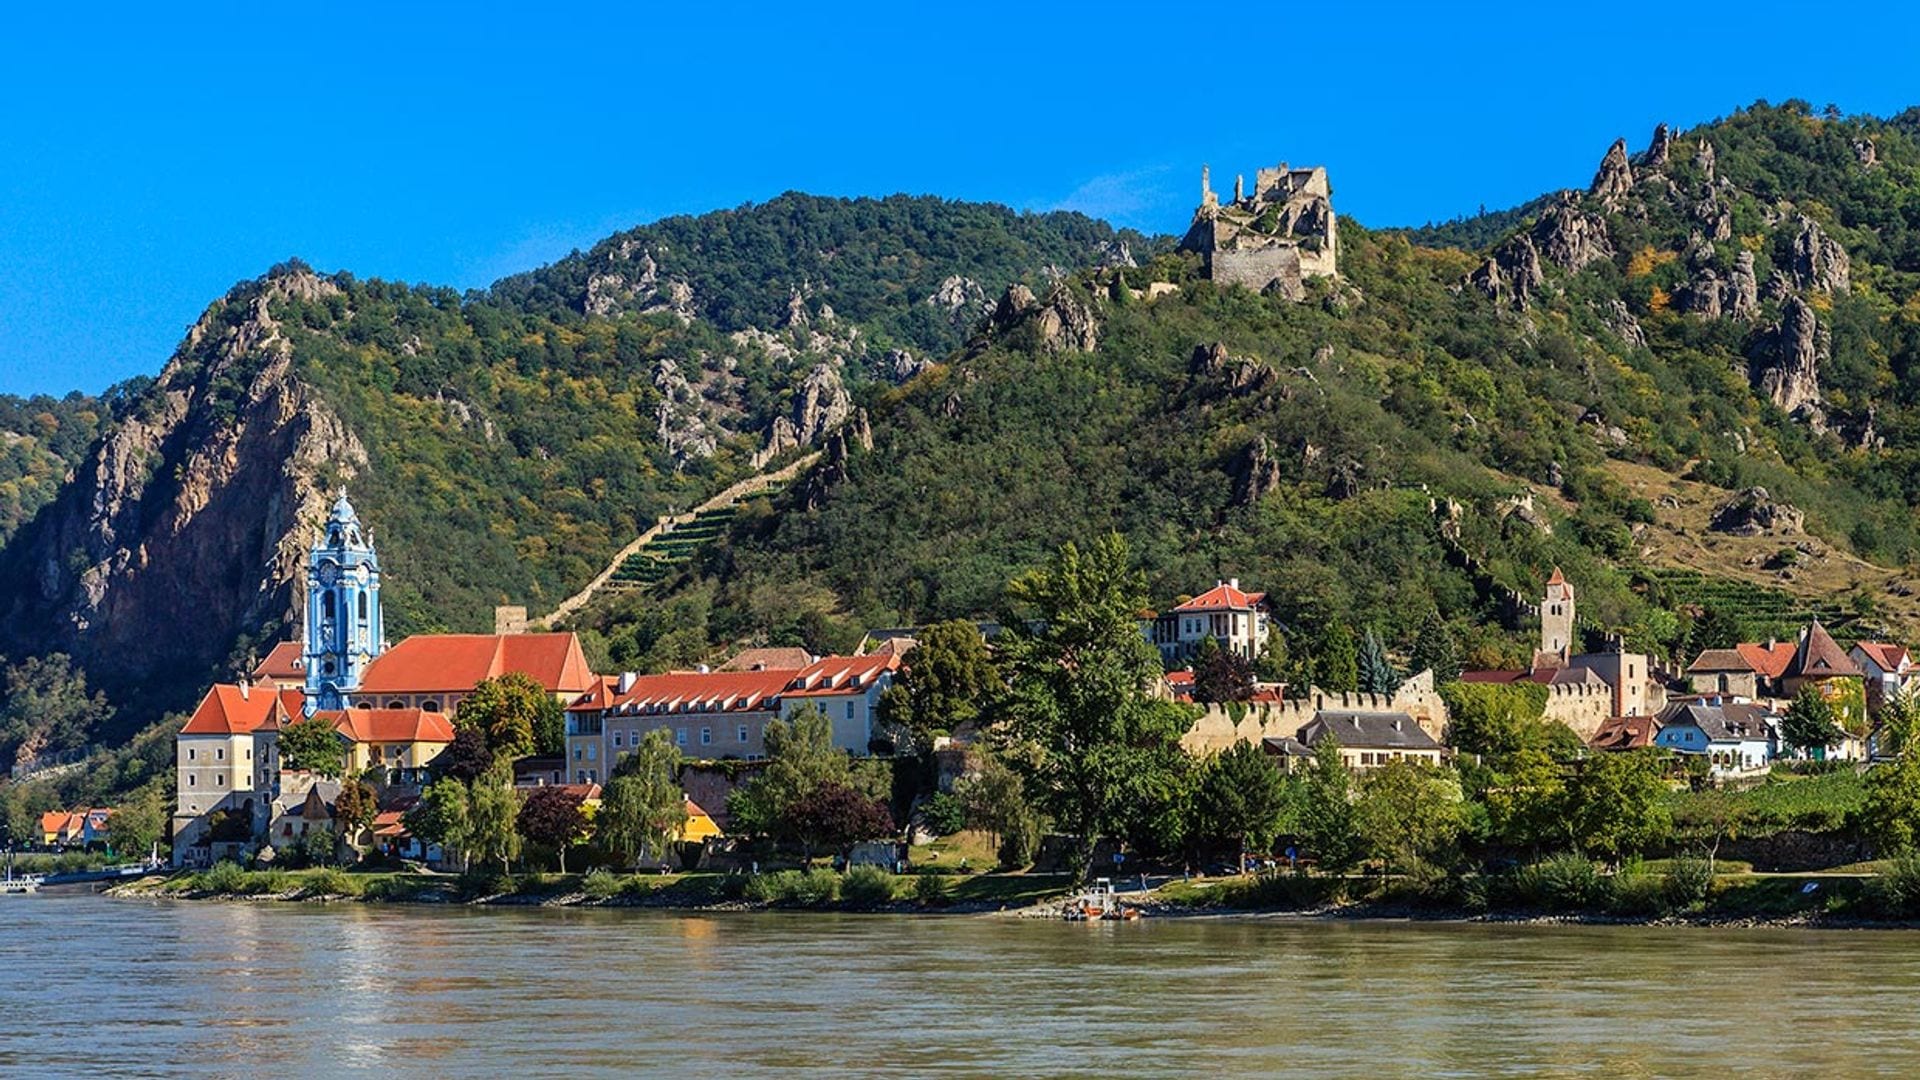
593 752
743 733
220 779
576 753
616 740
249 753
192 780
190 753
363 607
706 736
680 736
849 710
219 753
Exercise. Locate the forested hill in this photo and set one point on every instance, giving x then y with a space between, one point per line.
1728 308
502 445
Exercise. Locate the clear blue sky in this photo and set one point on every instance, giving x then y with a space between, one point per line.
148 160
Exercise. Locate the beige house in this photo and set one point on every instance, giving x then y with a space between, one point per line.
226 758
1367 740
435 672
400 740
1240 621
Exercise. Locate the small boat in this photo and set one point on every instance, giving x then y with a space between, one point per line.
1099 904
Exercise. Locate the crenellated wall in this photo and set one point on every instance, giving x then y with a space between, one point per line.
1218 729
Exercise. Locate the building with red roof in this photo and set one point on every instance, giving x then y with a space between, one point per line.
402 740
1889 670
1239 620
226 758
435 672
284 667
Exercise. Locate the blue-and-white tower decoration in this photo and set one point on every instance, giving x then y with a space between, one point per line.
345 630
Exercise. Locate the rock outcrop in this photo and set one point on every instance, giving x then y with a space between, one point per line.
623 283
1753 512
1065 321
900 366
1614 180
1660 149
1570 237
1255 471
1787 358
1819 262
1512 274
1624 326
187 525
678 417
1229 375
821 404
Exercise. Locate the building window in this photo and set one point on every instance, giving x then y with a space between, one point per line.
576 753
616 740
743 733
220 780
190 753
593 752
706 736
219 753
680 736
192 780
849 710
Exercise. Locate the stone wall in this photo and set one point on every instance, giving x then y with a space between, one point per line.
1582 707
1217 729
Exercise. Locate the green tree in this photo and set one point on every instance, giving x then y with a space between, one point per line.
1091 740
1497 719
1810 725
1617 803
1527 800
1891 816
138 822
1326 809
493 811
801 757
1407 814
444 817
1435 650
1272 664
1336 663
311 744
516 714
833 817
948 681
1376 672
1716 628
644 807
994 798
1243 800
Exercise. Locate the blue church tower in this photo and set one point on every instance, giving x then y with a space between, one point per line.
345 630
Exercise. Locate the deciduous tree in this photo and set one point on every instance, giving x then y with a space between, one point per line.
443 816
949 680
353 810
1326 809
311 744
493 810
834 816
552 817
644 807
1408 813
515 713
1243 800
1220 675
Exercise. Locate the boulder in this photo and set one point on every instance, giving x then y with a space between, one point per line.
1512 274
1819 262
1753 512
1660 149
1787 358
1570 237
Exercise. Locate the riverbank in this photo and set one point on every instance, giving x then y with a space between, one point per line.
1637 898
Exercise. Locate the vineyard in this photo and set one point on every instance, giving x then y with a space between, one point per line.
1761 611
670 550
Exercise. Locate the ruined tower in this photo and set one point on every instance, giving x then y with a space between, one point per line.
1271 240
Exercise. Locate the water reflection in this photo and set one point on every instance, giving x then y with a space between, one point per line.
249 989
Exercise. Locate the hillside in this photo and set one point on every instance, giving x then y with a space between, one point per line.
503 445
1734 304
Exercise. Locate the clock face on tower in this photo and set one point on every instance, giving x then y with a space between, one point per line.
329 573
361 574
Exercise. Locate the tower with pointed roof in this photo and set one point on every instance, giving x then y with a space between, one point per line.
345 630
1556 616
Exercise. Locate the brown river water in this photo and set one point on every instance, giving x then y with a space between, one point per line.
96 987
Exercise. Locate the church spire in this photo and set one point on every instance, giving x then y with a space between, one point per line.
345 628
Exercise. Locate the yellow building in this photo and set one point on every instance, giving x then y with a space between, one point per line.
396 739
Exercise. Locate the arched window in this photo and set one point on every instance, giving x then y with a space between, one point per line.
326 607
363 607
430 706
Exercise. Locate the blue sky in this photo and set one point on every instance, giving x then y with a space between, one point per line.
149 160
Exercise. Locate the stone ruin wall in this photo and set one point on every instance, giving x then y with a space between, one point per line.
1216 730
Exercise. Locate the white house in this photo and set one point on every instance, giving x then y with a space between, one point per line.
1736 737
1240 621
1888 667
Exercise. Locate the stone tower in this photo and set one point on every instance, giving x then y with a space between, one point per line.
345 629
1556 616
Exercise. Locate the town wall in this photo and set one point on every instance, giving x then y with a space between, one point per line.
1217 729
1581 706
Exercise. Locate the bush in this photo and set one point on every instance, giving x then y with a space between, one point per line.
772 888
1564 882
481 881
735 886
931 890
601 883
1687 884
223 877
1895 894
1019 843
945 814
817 887
867 886
1635 890
330 882
1292 891
269 882
396 889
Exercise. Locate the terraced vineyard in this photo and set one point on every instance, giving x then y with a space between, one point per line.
670 550
1759 608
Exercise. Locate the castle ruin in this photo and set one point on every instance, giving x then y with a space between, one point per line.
1273 239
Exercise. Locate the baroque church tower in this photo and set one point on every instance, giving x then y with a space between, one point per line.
345 630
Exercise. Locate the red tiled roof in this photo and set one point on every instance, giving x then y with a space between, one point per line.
1493 676
775 659
1223 597
1625 733
1717 660
1560 580
390 725
235 710
833 675
690 692
55 821
294 701
283 664
1770 659
1885 654
442 663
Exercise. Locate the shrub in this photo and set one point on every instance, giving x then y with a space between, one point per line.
223 877
636 885
867 886
269 882
945 814
817 887
734 886
1564 882
397 889
931 890
481 881
1019 842
1635 890
601 883
772 888
1896 892
1292 891
1688 880
330 882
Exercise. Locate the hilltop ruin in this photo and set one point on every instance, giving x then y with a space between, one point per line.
1273 239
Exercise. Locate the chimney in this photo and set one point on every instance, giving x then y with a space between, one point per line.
627 679
1233 583
246 688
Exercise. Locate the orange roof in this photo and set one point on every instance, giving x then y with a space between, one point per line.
690 692
294 700
283 664
390 725
1885 655
441 663
1770 659
775 659
54 821
834 675
1819 656
235 710
693 809
1223 597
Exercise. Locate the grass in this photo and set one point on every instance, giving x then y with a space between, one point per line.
1821 803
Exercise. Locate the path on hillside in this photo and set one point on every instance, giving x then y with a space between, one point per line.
751 485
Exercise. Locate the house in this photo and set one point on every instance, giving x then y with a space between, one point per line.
700 826
305 805
284 668
1367 740
226 759
711 715
435 672
847 689
1769 661
532 772
1240 621
74 828
1888 669
403 741
1723 671
777 659
1625 733
1818 661
1736 737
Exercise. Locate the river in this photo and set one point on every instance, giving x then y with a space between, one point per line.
98 987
